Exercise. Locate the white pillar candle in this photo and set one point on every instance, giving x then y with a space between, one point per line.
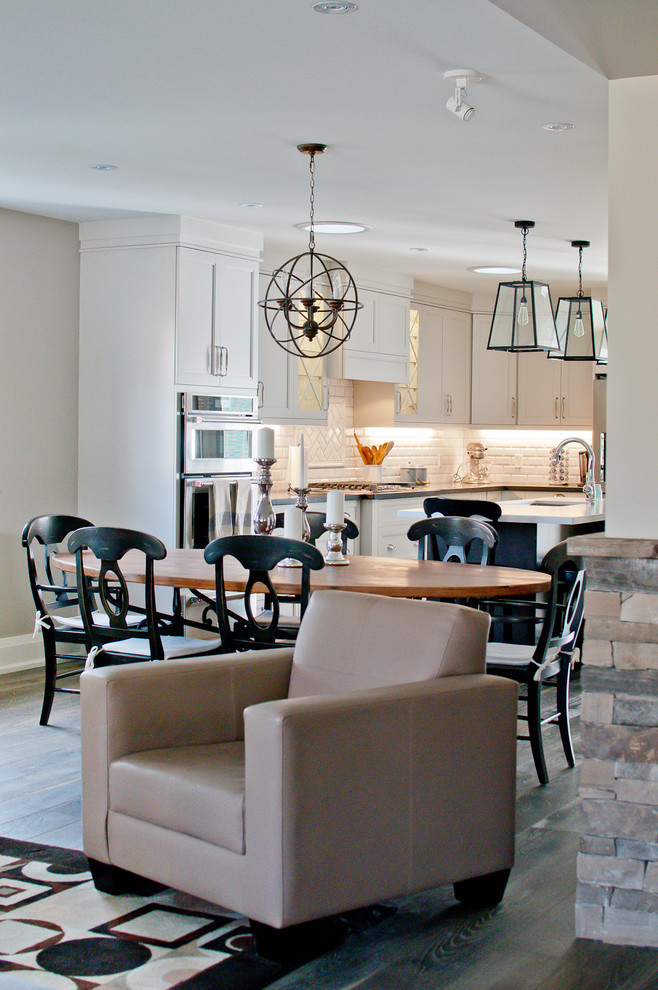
293 467
303 471
265 444
292 523
335 508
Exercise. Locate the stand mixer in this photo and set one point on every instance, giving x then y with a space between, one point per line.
473 471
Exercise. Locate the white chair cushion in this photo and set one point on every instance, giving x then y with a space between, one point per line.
173 646
509 653
100 619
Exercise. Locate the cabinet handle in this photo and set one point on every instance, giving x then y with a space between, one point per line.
261 394
325 396
224 368
564 408
391 547
450 398
557 407
216 360
398 400
513 407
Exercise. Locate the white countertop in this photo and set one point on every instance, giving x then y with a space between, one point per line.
573 513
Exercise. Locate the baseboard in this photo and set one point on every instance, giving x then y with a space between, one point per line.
20 653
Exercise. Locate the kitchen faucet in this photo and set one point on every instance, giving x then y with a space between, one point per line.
590 488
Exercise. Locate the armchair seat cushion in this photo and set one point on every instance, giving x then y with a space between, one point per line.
194 790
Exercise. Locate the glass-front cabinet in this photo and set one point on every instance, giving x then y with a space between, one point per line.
437 389
291 389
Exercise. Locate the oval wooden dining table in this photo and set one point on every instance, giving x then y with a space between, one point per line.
395 577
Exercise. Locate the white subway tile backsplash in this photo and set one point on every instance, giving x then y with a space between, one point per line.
333 454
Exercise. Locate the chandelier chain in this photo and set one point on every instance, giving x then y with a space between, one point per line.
525 253
311 235
580 271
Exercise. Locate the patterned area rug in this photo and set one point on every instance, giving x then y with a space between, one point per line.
57 932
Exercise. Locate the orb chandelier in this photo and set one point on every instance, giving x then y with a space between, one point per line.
523 315
580 322
311 301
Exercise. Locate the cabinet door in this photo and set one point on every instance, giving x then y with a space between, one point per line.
197 356
291 389
377 350
418 400
540 390
455 368
577 393
216 302
493 382
235 321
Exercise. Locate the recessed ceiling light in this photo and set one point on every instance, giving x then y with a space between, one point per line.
335 7
100 167
419 249
495 270
334 227
252 206
558 127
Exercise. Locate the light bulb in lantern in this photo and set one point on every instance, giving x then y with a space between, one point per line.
579 326
522 317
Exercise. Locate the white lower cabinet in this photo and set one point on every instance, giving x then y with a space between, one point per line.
383 534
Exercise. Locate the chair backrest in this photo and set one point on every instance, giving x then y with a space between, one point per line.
50 596
350 642
316 521
258 555
106 614
565 605
454 538
474 507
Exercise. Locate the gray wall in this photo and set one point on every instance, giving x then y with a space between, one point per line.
38 391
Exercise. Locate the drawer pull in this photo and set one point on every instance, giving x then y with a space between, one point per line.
391 547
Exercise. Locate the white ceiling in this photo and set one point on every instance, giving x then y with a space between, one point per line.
201 104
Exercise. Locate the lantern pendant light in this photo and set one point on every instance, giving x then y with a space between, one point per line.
311 301
580 323
523 315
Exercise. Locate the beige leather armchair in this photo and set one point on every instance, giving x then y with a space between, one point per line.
372 760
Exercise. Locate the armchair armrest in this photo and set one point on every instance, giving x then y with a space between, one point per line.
416 780
140 706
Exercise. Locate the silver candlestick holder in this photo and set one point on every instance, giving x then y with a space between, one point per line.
302 505
335 553
264 518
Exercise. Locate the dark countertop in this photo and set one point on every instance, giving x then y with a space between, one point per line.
478 491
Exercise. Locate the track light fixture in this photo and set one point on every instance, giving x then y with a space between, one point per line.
457 104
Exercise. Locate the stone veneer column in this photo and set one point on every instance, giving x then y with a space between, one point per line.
617 898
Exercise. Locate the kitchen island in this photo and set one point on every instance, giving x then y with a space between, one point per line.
528 528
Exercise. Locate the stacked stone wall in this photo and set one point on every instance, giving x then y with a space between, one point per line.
617 899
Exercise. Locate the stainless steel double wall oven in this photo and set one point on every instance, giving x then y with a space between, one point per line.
217 436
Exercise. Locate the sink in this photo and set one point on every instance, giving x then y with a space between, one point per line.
558 500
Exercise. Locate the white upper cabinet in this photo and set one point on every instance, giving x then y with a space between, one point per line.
554 393
527 389
494 385
216 327
378 347
291 389
438 387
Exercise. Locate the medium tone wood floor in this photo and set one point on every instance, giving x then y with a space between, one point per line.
430 942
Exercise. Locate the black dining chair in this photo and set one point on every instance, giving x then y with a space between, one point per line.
454 538
258 628
479 508
56 603
548 660
111 636
316 521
